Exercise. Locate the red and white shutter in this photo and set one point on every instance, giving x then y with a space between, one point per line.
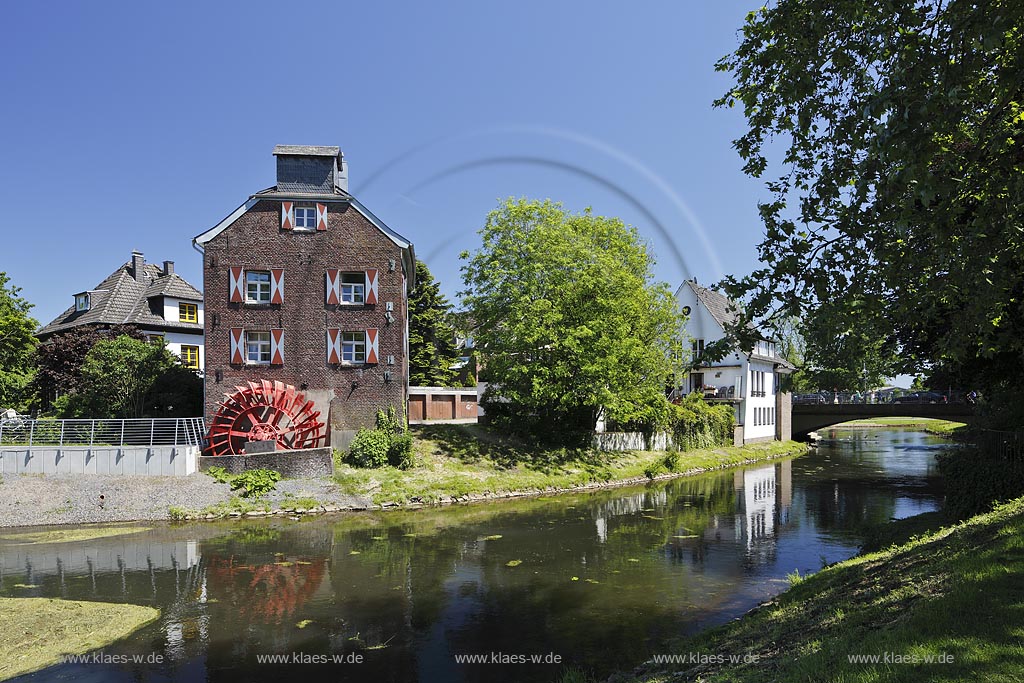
277 347
237 345
333 280
371 345
333 345
287 215
277 285
321 217
236 283
371 286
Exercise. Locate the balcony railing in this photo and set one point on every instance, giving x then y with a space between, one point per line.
158 431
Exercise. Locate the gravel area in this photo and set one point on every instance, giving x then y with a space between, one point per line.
34 499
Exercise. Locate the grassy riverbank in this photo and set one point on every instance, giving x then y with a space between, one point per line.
955 595
36 632
466 461
928 424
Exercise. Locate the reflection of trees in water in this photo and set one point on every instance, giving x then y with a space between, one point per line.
848 505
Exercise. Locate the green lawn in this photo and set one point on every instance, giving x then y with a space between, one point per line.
467 459
933 425
956 595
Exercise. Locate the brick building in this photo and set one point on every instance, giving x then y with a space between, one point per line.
304 285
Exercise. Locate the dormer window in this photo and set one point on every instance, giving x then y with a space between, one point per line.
305 217
81 302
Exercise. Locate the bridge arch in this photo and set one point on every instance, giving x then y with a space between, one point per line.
809 417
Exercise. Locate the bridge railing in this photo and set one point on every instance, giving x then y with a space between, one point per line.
160 431
876 397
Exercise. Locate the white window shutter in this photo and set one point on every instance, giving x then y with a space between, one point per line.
333 286
287 215
237 345
371 286
371 345
277 285
277 347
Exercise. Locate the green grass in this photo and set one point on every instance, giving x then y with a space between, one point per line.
957 592
928 424
36 632
459 460
225 508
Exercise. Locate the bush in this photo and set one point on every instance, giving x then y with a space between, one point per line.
400 453
977 478
672 461
699 425
220 474
255 483
370 448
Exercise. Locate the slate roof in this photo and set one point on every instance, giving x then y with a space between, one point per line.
725 312
121 300
721 307
307 150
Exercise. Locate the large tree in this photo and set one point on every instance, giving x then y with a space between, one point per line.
58 360
117 377
569 319
432 349
16 344
893 136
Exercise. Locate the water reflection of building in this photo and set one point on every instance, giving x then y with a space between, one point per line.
765 495
626 505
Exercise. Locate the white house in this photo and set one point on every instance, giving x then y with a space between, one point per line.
748 380
155 299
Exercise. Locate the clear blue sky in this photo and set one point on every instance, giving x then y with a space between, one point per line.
139 125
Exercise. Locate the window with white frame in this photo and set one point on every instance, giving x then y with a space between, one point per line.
353 288
305 217
257 287
81 302
257 348
353 347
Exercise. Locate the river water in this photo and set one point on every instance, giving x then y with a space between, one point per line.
598 581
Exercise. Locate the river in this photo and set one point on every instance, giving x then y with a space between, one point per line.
598 580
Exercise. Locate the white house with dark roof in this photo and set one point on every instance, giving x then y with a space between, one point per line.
155 299
748 380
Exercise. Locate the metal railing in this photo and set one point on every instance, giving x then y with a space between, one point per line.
881 397
146 431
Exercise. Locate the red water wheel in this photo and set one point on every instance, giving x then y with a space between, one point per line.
264 411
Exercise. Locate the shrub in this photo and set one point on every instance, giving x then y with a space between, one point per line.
255 483
672 461
370 448
220 474
978 477
699 425
400 453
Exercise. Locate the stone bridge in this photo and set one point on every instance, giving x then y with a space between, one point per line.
809 417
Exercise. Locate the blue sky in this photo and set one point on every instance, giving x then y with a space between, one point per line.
139 125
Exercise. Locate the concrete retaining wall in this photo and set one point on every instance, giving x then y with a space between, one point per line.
132 460
307 462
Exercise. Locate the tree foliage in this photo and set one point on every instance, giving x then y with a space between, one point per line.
431 336
896 210
569 319
58 360
16 344
116 378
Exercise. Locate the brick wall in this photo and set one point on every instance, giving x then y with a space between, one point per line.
348 396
